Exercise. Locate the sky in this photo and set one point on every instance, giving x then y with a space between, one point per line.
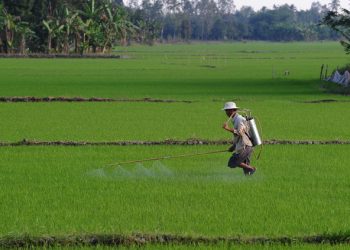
300 4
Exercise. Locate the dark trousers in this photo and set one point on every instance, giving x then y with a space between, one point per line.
242 157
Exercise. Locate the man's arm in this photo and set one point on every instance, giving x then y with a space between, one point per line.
227 128
235 132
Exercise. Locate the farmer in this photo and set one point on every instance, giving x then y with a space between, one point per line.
241 142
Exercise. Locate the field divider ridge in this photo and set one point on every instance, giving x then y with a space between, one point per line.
187 142
165 239
64 56
84 99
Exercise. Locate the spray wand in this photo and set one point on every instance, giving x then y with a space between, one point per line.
165 157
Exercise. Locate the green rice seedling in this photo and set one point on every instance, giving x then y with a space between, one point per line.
297 190
239 70
284 120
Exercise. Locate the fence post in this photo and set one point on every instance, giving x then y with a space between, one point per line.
321 71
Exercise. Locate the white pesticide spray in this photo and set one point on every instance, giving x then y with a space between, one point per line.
161 169
134 171
119 171
141 171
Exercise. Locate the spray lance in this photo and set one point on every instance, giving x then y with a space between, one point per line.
168 157
165 157
253 135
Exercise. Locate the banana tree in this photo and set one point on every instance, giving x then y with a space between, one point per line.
95 36
78 30
122 25
25 32
54 30
91 14
2 18
10 28
2 25
91 11
69 20
107 27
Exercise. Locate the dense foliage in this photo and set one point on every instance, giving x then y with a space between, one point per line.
340 22
64 26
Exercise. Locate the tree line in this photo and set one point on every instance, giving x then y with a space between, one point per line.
62 26
210 20
89 26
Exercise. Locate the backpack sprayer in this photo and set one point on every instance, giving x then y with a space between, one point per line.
254 135
253 132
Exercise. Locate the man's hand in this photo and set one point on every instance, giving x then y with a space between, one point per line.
225 126
232 148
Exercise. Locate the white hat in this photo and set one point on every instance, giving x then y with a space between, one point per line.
230 105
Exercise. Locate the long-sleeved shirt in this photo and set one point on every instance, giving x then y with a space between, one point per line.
240 137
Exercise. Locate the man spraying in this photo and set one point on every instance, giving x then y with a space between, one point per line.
242 144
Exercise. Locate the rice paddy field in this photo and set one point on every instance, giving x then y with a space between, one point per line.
66 197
